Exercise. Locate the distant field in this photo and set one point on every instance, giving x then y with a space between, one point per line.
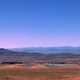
22 72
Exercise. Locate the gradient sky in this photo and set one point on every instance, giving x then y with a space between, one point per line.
39 23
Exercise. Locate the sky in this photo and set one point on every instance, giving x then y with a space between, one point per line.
39 23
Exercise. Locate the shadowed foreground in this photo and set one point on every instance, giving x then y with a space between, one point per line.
22 72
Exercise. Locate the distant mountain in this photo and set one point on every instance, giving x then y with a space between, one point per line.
50 50
5 51
35 55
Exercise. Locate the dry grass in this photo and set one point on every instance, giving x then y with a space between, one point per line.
22 72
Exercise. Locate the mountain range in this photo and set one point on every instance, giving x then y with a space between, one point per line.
57 55
52 50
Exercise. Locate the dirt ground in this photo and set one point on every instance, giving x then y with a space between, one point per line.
38 72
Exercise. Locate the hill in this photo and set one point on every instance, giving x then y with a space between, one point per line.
39 58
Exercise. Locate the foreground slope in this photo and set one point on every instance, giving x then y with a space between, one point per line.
23 72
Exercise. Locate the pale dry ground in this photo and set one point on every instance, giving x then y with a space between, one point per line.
39 72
